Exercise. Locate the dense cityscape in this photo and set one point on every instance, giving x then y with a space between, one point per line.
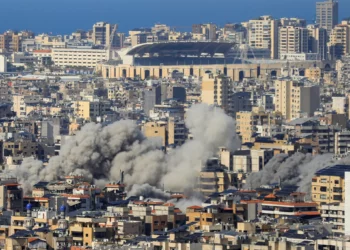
226 138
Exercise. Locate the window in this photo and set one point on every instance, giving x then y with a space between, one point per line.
323 189
337 197
323 197
336 182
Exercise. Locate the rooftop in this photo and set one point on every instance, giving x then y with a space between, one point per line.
337 170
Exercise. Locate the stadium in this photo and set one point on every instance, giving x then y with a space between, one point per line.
162 59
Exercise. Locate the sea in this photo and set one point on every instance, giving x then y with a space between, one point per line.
66 16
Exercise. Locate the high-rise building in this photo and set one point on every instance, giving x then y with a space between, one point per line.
208 30
339 40
293 98
102 35
292 40
317 39
151 97
263 34
216 90
12 41
327 14
296 22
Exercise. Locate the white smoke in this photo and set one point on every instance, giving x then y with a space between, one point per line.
297 169
101 153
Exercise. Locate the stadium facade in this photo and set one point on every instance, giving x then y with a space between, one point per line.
195 59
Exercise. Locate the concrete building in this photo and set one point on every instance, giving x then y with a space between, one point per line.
339 40
90 110
340 104
263 34
241 101
292 40
293 98
11 41
317 41
247 161
327 14
11 196
151 97
341 142
102 35
247 122
334 214
3 64
78 57
212 181
347 203
216 90
328 185
208 30
156 129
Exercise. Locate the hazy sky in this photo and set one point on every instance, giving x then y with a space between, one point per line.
65 16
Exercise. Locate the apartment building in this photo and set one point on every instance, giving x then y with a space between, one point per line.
328 185
78 57
247 122
247 161
317 38
207 30
216 90
263 34
293 98
90 110
339 40
334 214
11 195
102 34
12 41
327 14
292 40
341 142
156 129
86 229
213 180
205 218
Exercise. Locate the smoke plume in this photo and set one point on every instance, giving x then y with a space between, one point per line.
102 152
297 169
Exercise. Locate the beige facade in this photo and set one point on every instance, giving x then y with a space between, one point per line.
156 129
292 40
216 91
263 34
78 57
328 189
293 98
234 71
339 40
90 110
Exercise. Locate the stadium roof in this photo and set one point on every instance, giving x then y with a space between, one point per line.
189 48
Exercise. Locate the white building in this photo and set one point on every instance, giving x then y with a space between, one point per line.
300 56
78 57
347 204
3 64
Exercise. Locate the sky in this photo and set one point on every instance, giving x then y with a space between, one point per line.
66 16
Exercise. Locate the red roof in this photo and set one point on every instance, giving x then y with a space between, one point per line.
270 196
12 184
169 204
42 51
195 207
